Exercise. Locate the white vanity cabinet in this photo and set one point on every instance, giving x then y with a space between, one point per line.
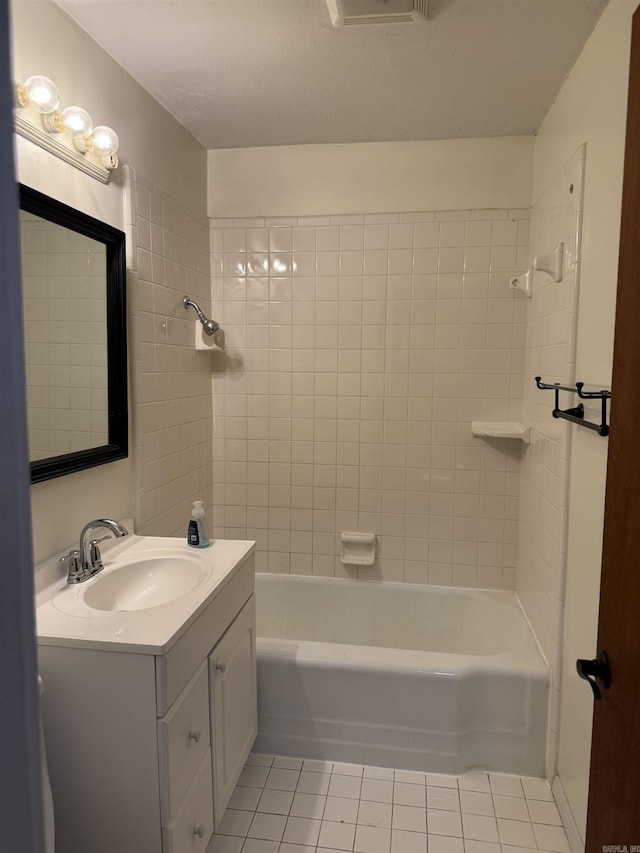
145 749
234 716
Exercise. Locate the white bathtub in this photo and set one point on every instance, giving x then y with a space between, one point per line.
399 675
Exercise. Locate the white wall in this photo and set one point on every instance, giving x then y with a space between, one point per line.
46 41
591 108
309 180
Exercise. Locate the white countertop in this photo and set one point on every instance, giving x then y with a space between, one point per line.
64 619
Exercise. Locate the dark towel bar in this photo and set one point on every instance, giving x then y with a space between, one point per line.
576 414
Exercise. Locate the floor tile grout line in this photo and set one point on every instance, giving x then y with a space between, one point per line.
549 800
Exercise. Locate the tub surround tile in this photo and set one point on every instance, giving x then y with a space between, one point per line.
457 818
351 305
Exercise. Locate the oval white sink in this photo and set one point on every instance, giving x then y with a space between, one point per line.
149 582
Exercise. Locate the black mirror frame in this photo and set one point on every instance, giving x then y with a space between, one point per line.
118 428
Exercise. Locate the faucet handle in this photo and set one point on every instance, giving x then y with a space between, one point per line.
73 564
96 556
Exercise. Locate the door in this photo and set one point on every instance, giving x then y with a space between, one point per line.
20 782
613 816
234 704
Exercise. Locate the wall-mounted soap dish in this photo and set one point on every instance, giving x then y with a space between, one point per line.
551 263
358 549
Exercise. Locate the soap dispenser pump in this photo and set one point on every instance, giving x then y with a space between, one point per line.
198 533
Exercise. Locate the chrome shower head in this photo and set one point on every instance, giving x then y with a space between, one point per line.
210 326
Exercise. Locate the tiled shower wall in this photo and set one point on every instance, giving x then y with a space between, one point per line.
357 350
170 380
550 352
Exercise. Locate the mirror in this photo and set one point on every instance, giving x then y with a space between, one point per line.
73 286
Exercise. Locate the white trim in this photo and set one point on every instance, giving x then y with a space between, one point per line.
54 146
570 826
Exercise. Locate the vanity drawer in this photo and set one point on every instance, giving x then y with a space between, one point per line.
192 827
183 740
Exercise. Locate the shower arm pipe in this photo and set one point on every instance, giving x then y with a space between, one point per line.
210 326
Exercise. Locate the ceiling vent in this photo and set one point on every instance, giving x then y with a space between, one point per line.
347 13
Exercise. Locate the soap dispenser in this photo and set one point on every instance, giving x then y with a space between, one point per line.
198 533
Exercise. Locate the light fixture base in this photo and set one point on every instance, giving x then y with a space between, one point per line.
54 146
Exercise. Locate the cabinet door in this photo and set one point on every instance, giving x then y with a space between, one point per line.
234 713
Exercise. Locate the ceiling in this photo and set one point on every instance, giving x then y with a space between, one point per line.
243 73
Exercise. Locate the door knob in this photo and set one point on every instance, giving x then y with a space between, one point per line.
594 671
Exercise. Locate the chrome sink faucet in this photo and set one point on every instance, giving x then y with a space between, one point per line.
85 562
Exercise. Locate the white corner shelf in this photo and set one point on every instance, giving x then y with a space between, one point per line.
500 429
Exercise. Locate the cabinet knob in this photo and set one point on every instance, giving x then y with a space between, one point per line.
199 831
195 735
221 667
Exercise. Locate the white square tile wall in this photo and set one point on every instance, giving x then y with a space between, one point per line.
357 351
65 338
170 381
550 352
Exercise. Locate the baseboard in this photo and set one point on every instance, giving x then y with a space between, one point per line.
570 826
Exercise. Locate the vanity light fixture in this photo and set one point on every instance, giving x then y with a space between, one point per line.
69 134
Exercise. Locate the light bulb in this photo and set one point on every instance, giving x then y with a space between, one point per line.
105 141
77 121
40 93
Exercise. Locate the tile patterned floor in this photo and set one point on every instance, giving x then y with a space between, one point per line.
291 805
